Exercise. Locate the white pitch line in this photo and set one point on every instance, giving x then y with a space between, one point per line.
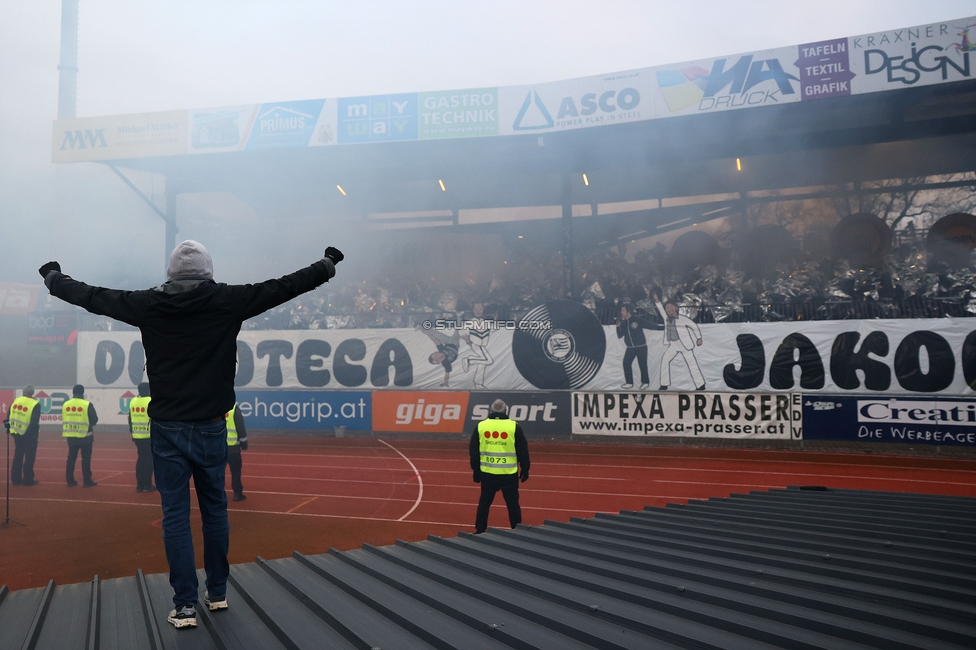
420 481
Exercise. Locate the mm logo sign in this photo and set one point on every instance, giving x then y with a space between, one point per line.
84 139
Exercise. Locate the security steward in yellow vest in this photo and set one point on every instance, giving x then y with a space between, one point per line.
236 443
78 420
23 423
498 450
139 428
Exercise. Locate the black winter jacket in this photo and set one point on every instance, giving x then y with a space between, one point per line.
189 331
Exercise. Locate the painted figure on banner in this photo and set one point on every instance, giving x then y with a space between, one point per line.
446 342
476 337
681 336
630 328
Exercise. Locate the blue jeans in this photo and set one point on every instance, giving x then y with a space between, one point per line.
181 450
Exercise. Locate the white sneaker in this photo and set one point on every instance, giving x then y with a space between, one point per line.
643 386
628 386
185 616
214 605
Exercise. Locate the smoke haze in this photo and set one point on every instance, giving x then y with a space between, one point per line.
150 56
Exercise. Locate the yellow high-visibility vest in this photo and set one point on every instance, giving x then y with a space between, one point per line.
20 414
139 414
496 441
231 427
74 418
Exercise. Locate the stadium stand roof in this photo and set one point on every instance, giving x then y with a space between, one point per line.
878 108
796 568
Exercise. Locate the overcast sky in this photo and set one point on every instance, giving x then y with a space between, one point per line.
142 55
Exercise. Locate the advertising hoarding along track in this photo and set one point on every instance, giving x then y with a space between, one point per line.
891 419
705 415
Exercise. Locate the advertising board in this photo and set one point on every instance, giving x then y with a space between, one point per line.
419 412
886 418
306 410
540 414
674 414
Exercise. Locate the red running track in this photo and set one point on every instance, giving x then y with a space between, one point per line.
429 481
310 494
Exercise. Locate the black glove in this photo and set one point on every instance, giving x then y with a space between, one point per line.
47 268
477 476
243 444
524 476
332 253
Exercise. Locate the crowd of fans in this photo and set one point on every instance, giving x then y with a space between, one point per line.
726 289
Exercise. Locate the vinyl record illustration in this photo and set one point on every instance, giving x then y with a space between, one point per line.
862 239
559 345
952 239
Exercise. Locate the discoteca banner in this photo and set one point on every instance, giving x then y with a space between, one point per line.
562 346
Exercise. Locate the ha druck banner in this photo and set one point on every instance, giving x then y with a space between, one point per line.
703 415
909 420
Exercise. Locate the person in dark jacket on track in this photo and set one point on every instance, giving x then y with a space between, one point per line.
499 459
236 443
23 423
189 327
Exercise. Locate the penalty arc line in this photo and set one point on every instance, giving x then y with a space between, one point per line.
420 481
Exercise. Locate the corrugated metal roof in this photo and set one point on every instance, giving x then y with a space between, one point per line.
796 568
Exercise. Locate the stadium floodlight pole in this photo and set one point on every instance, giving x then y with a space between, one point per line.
68 66
171 195
569 275
6 519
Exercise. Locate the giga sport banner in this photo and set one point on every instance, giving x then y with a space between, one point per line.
562 346
689 415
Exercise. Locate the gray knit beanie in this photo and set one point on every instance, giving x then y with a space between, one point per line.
190 259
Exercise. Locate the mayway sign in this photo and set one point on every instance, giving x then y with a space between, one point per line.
707 415
915 420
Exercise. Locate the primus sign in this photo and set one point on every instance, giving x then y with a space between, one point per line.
707 415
